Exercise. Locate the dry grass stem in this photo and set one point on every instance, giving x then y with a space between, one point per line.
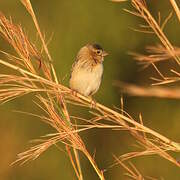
28 6
158 53
142 11
160 92
131 171
109 114
176 9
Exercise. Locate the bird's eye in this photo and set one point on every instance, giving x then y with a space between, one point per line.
98 52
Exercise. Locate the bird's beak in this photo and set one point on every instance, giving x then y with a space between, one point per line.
105 53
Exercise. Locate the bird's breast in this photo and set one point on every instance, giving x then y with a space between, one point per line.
86 81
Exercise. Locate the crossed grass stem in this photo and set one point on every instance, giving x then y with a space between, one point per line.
15 36
106 112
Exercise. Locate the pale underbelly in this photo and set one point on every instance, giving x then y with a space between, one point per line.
85 82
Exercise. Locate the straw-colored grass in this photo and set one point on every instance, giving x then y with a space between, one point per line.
152 91
165 51
34 74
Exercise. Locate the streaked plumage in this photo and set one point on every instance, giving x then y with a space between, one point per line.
87 70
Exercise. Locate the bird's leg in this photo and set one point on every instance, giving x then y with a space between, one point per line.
74 93
93 103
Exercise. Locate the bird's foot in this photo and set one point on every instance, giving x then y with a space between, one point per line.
74 93
93 103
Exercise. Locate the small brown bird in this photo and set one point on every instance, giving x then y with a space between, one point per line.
87 69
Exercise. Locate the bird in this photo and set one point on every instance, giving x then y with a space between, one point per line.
87 70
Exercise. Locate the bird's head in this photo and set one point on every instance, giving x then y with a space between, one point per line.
96 52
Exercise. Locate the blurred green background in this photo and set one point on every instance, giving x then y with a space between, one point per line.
74 23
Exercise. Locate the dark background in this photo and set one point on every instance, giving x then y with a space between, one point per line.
74 23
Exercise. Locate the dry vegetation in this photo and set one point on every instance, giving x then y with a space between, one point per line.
34 73
162 52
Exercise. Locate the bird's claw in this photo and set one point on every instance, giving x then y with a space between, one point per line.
93 103
74 93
